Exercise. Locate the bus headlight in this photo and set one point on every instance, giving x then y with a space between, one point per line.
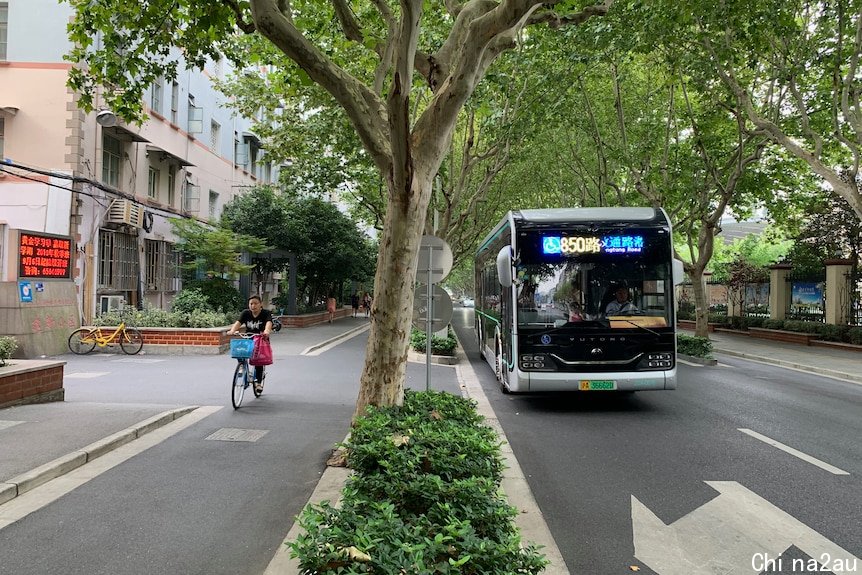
659 360
537 362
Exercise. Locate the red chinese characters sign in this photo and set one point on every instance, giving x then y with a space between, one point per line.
44 256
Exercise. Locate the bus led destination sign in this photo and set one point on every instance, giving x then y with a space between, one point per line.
576 245
44 256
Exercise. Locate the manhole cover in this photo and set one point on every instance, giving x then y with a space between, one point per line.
233 434
85 374
7 424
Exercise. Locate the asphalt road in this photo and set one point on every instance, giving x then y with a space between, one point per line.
192 505
602 466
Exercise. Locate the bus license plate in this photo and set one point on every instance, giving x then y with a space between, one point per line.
598 385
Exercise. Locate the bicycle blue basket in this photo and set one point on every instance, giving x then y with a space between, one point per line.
241 348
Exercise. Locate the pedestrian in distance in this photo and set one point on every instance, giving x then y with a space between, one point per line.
354 303
255 319
330 306
366 303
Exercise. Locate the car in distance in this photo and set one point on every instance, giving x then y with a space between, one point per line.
468 302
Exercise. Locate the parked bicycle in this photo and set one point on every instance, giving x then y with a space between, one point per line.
85 339
243 376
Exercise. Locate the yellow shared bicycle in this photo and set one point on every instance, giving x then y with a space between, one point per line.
85 339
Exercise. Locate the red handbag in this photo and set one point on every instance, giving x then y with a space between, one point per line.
262 354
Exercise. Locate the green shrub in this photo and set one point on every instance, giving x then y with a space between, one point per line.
8 345
854 335
774 324
190 300
718 318
834 332
439 345
803 326
424 497
694 346
154 317
221 295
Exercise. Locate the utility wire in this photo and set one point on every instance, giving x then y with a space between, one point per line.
79 180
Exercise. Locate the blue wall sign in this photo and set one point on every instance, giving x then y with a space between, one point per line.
25 291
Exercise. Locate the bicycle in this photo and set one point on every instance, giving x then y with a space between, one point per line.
243 375
84 340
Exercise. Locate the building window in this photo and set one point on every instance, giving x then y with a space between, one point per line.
111 156
156 96
153 184
215 136
213 204
175 102
196 117
162 273
172 177
118 261
240 151
4 27
2 135
192 198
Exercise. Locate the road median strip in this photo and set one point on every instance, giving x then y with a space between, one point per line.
29 480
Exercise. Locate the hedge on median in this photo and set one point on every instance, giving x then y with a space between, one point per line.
424 498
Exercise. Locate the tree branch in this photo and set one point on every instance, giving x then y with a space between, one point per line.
349 25
241 23
363 107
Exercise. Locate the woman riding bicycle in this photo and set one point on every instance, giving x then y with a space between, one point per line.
255 319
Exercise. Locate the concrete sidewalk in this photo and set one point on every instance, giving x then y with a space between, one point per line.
833 362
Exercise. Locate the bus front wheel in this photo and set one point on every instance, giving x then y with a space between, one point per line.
499 369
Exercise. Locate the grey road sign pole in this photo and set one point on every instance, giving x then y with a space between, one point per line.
428 322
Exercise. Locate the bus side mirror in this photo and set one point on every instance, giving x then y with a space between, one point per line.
678 272
504 266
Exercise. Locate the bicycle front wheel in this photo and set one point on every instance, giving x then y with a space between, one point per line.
239 384
131 340
82 341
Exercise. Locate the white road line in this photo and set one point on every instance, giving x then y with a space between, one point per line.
794 452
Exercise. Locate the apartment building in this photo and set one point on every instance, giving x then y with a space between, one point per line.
85 198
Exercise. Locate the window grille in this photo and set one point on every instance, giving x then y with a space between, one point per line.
171 185
175 101
215 133
2 135
163 270
4 28
119 266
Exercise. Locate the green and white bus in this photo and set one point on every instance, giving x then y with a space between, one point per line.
549 306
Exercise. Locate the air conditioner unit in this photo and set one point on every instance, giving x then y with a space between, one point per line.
111 302
126 212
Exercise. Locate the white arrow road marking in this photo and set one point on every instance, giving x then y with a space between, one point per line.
794 452
730 535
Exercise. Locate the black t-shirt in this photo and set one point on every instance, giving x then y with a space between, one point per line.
255 324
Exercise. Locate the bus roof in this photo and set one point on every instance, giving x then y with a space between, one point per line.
550 216
643 215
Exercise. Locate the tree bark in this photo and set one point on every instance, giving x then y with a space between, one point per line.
382 381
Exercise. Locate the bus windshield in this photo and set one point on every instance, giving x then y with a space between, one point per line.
618 279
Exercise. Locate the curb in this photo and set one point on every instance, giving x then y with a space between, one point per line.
698 360
20 484
418 357
344 335
853 378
